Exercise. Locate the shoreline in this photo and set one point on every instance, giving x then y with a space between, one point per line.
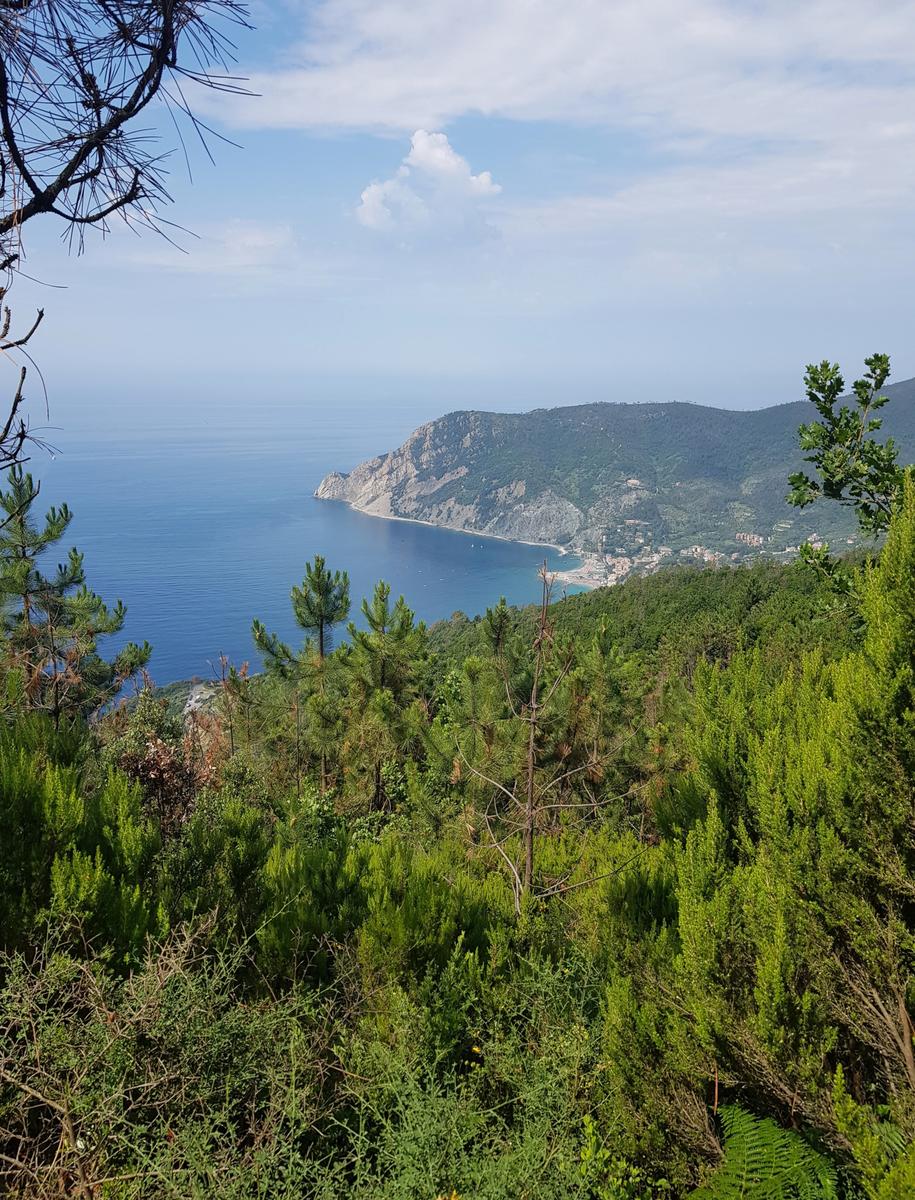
499 537
588 575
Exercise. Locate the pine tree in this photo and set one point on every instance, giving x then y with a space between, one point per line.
532 730
321 603
53 622
384 664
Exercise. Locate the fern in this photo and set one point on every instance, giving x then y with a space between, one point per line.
762 1161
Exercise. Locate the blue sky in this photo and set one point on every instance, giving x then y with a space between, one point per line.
516 202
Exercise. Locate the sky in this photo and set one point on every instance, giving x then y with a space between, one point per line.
512 203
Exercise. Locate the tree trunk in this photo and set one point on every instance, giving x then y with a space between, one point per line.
529 807
378 798
298 742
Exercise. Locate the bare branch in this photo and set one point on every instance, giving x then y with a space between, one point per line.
561 889
486 778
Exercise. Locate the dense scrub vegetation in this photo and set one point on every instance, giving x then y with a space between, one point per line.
611 898
228 971
671 620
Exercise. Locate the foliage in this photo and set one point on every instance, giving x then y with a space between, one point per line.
53 622
533 729
149 1086
383 668
884 1156
854 468
674 619
231 968
153 748
321 603
75 855
764 1162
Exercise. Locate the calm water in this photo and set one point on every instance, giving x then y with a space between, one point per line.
200 521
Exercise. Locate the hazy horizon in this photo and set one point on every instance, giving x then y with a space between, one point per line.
121 411
608 203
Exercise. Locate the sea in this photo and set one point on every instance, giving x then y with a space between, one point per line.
200 517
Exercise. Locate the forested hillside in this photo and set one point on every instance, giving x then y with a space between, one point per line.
680 615
606 899
611 477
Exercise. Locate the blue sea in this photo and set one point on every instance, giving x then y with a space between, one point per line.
200 516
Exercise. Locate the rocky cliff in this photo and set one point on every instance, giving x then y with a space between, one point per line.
607 477
424 480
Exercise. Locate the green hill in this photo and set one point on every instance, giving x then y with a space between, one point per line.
612 477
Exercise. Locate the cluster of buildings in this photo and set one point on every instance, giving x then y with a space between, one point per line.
648 559
636 553
702 554
604 570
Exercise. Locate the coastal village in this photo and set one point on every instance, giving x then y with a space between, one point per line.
639 556
606 569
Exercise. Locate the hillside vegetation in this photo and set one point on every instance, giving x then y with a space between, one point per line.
698 475
219 979
610 898
680 615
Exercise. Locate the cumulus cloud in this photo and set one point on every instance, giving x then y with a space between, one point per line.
744 112
433 191
766 148
433 155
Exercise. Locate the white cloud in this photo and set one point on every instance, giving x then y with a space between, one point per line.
433 155
433 191
391 205
774 111
712 67
766 152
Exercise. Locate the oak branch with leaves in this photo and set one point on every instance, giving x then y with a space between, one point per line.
852 466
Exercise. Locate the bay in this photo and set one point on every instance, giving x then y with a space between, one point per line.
200 518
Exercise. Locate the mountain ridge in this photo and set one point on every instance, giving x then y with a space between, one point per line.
622 480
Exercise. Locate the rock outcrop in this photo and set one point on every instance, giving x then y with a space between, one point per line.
609 478
422 481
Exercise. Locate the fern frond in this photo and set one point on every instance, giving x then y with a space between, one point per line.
762 1161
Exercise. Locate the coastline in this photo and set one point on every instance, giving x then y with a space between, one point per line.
590 574
499 537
